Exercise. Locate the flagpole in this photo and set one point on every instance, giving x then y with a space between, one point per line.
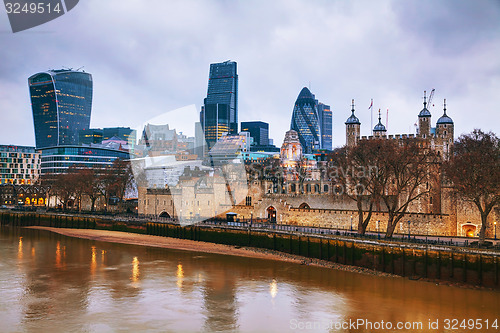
371 116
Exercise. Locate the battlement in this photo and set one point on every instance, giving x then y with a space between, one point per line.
389 137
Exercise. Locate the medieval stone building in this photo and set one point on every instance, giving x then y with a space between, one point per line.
312 200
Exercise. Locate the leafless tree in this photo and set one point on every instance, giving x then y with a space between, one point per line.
403 176
474 171
356 170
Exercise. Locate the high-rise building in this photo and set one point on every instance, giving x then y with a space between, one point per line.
305 121
325 124
219 113
61 101
258 130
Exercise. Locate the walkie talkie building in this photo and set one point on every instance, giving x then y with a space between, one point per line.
61 101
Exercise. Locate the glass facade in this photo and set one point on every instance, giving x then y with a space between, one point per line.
61 101
220 111
59 159
91 135
305 121
325 118
122 133
258 130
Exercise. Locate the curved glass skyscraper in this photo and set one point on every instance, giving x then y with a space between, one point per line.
305 121
61 101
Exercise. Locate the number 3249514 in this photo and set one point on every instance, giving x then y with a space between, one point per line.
31 8
471 324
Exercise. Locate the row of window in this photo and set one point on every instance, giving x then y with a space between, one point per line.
15 166
17 160
78 159
15 171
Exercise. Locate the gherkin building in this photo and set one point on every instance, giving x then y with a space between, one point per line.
305 121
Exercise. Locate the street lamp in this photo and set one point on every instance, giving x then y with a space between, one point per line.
351 222
495 223
409 229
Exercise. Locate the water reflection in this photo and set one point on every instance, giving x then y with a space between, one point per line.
135 269
93 261
273 288
169 290
180 276
20 249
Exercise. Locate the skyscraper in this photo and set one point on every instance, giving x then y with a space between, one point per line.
61 101
305 121
258 130
219 113
325 124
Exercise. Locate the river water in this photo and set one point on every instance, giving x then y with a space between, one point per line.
53 283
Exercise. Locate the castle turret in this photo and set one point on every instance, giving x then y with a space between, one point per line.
379 129
444 133
424 121
352 129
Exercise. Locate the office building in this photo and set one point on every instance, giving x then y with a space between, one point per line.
258 130
56 160
90 135
19 165
219 113
325 124
305 121
61 102
123 133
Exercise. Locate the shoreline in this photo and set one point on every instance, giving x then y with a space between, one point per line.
204 247
122 237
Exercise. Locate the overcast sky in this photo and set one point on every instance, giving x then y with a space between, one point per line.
150 57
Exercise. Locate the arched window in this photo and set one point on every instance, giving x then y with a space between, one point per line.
304 206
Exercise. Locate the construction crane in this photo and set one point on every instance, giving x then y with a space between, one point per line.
430 97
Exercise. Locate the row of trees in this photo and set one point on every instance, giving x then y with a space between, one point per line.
391 173
77 183
394 174
474 172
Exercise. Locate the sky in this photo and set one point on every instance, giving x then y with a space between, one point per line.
150 57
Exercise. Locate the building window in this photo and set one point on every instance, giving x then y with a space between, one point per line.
248 201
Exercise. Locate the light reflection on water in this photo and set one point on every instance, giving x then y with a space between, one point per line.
68 286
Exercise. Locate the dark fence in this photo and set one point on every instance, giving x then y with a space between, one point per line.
412 258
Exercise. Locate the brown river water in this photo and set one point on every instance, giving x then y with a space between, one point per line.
54 283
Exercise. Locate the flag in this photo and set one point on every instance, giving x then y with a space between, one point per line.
371 105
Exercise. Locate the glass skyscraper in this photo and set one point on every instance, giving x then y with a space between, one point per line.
325 124
305 121
219 113
61 101
258 130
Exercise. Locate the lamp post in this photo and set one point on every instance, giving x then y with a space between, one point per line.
495 223
351 222
409 229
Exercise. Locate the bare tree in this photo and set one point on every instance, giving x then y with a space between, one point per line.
89 181
357 171
474 170
403 175
63 188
